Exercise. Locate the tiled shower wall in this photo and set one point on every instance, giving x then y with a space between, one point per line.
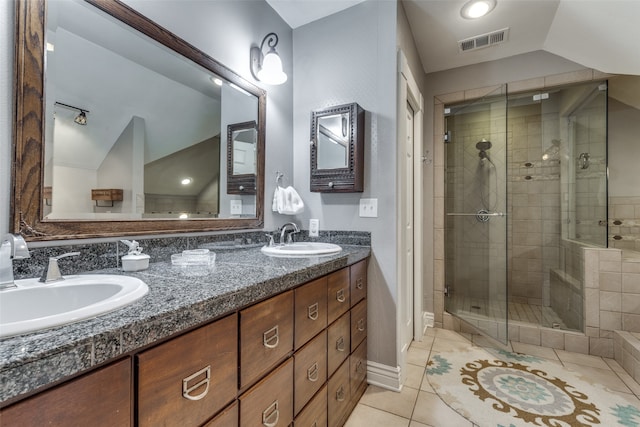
624 223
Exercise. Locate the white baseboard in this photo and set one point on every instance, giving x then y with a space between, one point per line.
428 320
384 376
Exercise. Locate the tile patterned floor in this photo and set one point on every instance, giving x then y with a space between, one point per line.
418 406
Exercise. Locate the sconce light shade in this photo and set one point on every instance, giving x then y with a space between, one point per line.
267 67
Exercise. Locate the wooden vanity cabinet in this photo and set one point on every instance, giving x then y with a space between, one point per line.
310 370
186 380
315 413
227 418
100 398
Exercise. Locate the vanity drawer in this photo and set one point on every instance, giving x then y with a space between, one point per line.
338 294
338 342
358 277
310 310
270 401
227 418
189 378
358 324
266 336
358 368
106 391
310 370
338 395
315 413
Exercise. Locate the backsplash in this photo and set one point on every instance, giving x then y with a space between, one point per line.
97 256
624 223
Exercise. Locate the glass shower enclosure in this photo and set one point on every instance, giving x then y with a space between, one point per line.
525 191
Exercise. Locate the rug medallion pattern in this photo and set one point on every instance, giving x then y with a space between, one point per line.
496 388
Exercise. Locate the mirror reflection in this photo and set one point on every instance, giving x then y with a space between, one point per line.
125 113
333 141
242 139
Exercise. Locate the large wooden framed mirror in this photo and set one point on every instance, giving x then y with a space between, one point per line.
120 127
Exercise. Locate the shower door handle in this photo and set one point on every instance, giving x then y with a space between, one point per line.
501 214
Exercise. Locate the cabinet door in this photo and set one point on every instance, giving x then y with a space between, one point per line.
358 275
358 369
269 403
100 398
227 418
310 310
339 395
189 378
315 413
310 370
338 288
266 336
338 342
358 324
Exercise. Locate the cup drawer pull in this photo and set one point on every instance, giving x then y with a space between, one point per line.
340 344
312 311
360 367
312 372
340 296
271 338
360 283
340 394
361 325
271 415
188 389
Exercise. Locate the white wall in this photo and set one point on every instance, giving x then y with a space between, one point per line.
351 57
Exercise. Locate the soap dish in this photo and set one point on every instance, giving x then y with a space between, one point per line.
194 257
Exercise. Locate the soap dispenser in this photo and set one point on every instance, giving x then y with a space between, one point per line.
135 260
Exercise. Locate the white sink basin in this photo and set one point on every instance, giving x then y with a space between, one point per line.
301 249
34 305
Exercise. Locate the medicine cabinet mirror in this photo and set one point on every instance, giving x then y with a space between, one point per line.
110 103
337 149
241 158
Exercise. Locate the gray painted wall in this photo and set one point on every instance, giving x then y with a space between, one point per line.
351 57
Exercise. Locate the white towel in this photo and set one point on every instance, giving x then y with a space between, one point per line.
287 201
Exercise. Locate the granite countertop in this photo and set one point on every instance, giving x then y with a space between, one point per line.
176 301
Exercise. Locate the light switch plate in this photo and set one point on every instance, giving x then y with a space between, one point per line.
236 207
368 208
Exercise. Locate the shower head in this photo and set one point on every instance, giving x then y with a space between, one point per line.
483 145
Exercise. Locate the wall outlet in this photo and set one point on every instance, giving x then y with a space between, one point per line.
236 207
314 227
368 208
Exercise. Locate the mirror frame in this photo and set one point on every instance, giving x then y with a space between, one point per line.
340 180
27 192
240 183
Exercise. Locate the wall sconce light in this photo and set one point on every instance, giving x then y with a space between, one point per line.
81 118
267 67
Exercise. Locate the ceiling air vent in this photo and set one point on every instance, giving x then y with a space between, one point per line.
483 40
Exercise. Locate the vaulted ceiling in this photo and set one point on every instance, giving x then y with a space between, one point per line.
600 34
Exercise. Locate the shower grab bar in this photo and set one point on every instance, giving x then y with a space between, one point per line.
500 214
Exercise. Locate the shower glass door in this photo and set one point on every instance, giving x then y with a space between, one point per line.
475 213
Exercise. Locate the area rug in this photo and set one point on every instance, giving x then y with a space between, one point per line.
497 388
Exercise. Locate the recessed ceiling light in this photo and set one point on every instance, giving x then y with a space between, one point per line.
186 181
477 8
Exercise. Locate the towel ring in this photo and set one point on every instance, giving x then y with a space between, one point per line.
279 176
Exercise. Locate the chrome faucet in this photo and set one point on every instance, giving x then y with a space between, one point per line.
283 231
12 247
52 272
